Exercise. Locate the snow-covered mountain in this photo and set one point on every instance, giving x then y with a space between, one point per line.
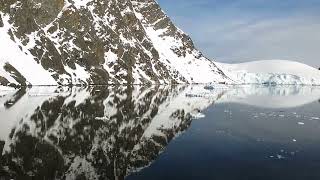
64 42
272 72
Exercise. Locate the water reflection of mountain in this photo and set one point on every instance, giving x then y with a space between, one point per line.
94 133
272 96
110 132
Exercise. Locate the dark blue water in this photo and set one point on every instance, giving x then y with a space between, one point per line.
236 141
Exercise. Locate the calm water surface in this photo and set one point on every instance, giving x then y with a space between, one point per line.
161 132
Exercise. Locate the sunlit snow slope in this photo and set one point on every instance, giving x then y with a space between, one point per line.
272 72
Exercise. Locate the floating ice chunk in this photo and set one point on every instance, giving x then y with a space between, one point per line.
280 156
198 116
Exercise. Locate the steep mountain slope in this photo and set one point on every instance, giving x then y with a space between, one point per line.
272 72
49 42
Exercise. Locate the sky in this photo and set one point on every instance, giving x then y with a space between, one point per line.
246 30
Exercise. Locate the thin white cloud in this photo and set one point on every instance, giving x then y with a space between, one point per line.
231 35
293 38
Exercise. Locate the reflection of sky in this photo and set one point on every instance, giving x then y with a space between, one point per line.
234 30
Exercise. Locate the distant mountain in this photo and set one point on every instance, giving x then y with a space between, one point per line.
272 72
63 42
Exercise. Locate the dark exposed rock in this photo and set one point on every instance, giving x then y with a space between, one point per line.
3 81
1 22
15 74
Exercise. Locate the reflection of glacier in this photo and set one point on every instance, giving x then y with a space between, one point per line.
272 96
91 133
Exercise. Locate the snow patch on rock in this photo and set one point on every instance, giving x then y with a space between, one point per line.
22 61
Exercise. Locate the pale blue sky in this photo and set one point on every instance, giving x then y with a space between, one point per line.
245 30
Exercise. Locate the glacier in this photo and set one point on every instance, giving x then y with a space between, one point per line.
272 72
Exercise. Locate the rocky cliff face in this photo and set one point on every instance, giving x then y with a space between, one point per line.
49 42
